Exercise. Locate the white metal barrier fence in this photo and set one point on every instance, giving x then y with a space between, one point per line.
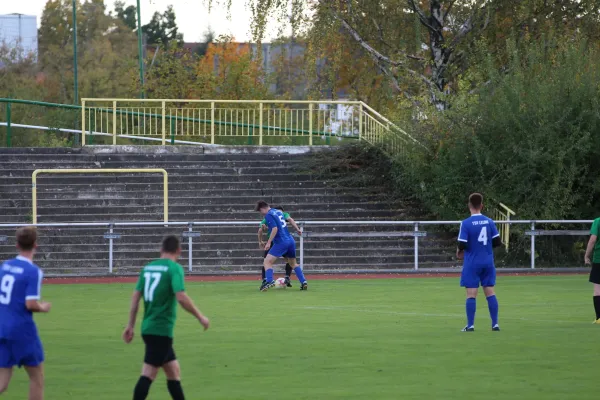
419 230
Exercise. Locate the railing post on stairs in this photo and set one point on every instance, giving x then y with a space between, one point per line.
8 127
212 122
164 122
260 124
416 246
302 245
310 124
360 121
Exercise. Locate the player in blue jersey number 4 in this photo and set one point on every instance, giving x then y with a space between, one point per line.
20 293
280 244
477 238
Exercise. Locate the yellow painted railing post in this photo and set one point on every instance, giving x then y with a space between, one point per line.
164 122
114 122
310 124
166 195
212 122
360 121
34 197
163 105
260 124
83 123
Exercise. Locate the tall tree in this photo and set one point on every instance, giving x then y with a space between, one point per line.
162 28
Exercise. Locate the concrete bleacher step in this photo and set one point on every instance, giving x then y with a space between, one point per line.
212 184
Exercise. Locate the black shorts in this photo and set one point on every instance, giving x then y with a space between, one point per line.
595 274
159 350
266 253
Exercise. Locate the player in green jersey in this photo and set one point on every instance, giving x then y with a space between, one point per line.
161 285
263 228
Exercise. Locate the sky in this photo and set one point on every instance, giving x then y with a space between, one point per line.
193 17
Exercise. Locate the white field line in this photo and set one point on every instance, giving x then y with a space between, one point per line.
416 314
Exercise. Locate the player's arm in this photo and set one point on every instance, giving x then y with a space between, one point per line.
178 287
188 305
271 224
590 249
463 239
295 225
496 239
133 311
261 243
33 293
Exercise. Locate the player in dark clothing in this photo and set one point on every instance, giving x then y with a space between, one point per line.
592 257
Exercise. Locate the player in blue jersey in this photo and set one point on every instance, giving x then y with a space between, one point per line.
477 238
20 293
280 244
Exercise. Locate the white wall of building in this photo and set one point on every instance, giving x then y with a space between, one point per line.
20 31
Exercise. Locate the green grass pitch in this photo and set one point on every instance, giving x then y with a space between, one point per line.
344 339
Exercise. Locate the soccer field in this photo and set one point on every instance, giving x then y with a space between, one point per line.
343 339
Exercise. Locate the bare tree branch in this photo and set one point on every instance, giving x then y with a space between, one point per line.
422 17
448 10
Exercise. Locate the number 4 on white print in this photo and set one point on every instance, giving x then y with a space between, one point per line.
6 287
151 280
483 238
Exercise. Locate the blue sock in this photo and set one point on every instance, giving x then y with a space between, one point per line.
493 306
471 307
269 275
299 274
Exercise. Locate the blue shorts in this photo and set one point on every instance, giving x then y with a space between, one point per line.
286 250
29 353
473 275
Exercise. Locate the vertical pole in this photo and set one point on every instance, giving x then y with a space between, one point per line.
166 196
507 230
190 249
140 51
260 124
114 122
8 125
83 122
212 122
75 77
164 121
310 124
360 121
110 249
533 245
172 131
302 245
416 247
34 197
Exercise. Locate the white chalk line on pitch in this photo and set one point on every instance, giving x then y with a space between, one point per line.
415 314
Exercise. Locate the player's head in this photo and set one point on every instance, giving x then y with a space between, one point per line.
171 247
476 202
26 238
262 207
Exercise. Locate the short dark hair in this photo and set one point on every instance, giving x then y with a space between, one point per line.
26 237
170 244
279 208
476 200
261 204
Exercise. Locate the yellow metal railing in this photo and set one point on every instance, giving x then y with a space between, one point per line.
95 171
503 213
207 120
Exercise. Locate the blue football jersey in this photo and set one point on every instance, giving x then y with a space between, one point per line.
276 219
20 280
477 233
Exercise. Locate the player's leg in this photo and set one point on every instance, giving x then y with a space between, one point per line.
469 279
36 382
263 266
269 262
157 350
288 274
173 374
488 281
5 375
595 279
290 256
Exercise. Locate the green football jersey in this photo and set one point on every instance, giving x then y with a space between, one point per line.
159 281
596 231
286 216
